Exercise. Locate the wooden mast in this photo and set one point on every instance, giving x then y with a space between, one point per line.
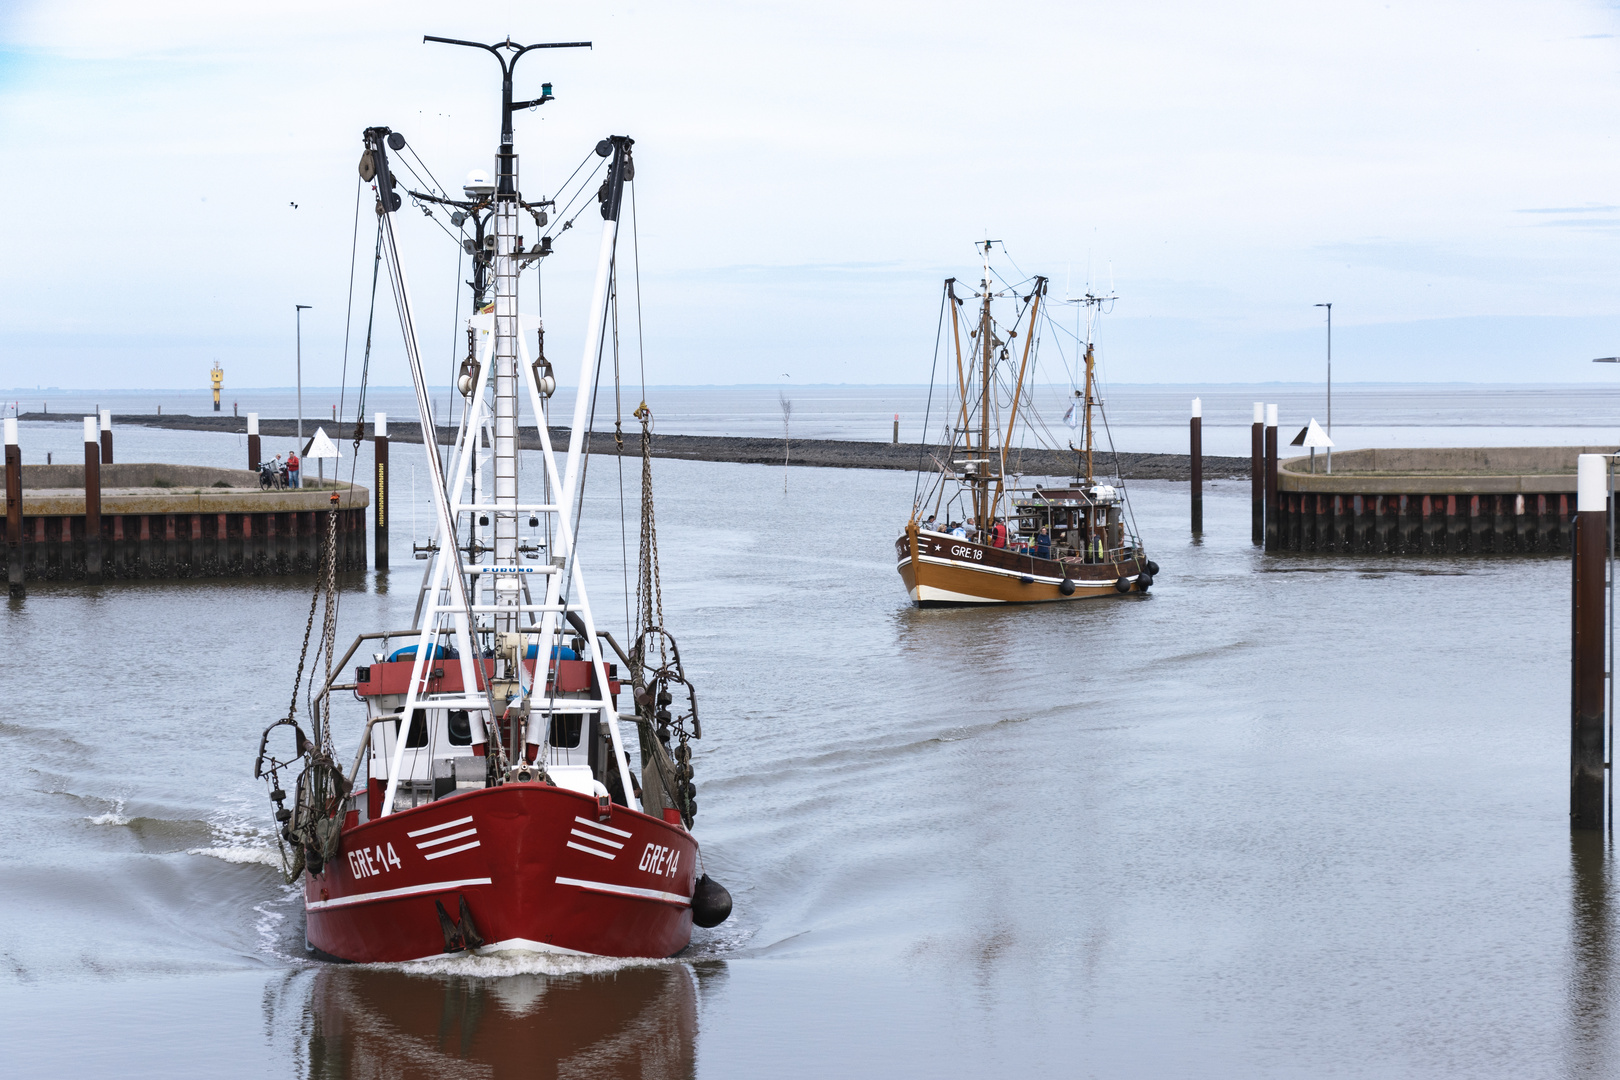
1018 389
1090 364
981 499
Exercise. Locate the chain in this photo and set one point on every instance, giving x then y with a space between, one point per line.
292 706
649 586
329 626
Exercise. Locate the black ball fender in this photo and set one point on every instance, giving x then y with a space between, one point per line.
711 903
1123 585
1144 582
1066 587
1152 568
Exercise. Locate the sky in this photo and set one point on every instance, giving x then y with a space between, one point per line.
180 175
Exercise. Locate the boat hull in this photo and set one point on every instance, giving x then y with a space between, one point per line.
947 571
536 868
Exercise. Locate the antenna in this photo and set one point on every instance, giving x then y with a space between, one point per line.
508 66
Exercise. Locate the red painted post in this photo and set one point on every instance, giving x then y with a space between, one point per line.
379 439
1257 476
106 437
1196 437
1273 518
253 441
1586 768
14 551
92 502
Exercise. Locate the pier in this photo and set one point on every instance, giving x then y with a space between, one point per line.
1505 500
177 521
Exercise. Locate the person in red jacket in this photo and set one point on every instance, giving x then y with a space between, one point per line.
998 533
293 479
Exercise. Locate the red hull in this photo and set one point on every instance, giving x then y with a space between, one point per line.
537 869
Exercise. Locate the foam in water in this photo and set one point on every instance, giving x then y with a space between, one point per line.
115 816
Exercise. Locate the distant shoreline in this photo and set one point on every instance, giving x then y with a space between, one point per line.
815 453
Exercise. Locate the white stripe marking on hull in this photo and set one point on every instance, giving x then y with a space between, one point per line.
627 890
451 851
393 894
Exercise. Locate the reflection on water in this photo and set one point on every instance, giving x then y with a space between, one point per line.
384 1022
1591 956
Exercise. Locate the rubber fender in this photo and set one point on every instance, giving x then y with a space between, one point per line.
1122 585
1152 568
1066 587
1025 579
711 903
1144 582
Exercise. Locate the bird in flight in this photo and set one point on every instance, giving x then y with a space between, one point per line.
293 205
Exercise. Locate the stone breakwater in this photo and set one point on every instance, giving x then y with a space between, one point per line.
815 453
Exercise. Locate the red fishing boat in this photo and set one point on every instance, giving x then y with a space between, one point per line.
494 802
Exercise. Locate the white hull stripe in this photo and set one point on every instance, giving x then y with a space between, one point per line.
441 827
980 568
437 840
604 828
394 894
593 851
450 851
595 839
627 890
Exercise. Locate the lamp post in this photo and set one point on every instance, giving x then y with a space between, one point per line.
299 316
1329 307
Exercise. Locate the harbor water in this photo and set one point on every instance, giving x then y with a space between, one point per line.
1284 816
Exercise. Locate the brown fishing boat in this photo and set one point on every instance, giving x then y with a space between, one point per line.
979 531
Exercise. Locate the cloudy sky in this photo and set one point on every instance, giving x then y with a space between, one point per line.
1446 173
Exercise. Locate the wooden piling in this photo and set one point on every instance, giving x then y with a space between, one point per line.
1273 517
1196 450
92 502
1586 767
897 429
253 441
14 506
379 439
106 437
1257 476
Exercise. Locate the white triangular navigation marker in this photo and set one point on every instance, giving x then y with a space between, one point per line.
320 446
1315 436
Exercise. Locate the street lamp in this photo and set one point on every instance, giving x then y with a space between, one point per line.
298 316
1329 307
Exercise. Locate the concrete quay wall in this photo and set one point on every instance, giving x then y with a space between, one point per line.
1503 500
172 521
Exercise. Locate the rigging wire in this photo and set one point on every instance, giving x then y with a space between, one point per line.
922 445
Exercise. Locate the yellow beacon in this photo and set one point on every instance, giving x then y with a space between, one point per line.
218 376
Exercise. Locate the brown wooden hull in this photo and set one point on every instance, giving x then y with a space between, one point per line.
947 571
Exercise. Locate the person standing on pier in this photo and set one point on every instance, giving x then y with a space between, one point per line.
293 479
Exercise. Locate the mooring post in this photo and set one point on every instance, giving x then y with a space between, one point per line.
379 439
92 502
1257 475
106 437
253 441
1273 519
14 551
897 429
1196 448
1586 768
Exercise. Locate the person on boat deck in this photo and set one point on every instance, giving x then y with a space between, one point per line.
293 479
998 533
930 525
1043 544
972 528
959 530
